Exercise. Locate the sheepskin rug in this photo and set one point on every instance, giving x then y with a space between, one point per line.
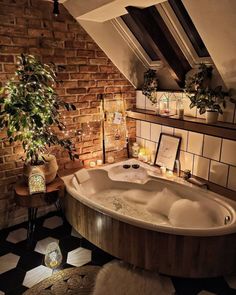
119 278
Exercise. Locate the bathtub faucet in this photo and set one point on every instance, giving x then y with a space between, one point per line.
177 165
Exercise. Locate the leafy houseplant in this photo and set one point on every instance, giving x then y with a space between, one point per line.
150 85
30 106
202 96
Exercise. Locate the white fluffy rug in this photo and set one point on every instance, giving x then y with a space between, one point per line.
118 278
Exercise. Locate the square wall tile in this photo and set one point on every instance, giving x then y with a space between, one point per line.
218 173
187 111
232 178
228 113
140 141
138 128
211 147
151 146
149 105
195 143
184 138
145 130
228 154
168 130
155 132
201 167
140 100
186 161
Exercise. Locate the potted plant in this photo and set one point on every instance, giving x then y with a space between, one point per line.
207 100
150 85
30 113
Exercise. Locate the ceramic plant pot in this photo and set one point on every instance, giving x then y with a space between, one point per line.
49 168
211 116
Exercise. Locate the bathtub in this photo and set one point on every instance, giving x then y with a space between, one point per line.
153 222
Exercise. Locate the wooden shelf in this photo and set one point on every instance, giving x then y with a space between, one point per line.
220 129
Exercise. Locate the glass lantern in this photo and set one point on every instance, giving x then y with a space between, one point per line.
167 105
53 256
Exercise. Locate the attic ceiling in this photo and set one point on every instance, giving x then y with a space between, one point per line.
137 35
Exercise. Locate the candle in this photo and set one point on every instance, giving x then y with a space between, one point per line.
99 162
92 164
163 170
169 174
110 159
181 114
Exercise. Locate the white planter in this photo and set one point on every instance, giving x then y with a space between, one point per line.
211 117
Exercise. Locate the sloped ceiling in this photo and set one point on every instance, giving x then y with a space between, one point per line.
214 20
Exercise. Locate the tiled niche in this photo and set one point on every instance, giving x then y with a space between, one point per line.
208 157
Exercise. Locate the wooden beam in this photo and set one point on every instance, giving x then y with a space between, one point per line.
158 36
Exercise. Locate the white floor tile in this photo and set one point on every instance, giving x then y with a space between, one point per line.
41 245
17 236
36 275
79 256
53 222
8 261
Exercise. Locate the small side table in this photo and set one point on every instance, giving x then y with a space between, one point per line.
54 193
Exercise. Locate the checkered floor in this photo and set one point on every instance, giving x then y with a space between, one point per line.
22 267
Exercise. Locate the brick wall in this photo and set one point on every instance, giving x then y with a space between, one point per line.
28 26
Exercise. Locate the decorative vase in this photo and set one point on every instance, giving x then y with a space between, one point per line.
211 116
49 168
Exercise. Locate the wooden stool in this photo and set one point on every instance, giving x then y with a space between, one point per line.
54 192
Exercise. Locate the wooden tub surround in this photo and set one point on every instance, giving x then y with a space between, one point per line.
170 253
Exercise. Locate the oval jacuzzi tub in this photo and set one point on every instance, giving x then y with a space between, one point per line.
158 224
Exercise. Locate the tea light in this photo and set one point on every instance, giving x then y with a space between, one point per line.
110 159
92 164
169 174
99 162
163 170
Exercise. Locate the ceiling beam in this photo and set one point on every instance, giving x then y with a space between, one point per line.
157 35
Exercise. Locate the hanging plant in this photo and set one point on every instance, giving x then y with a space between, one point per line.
30 107
201 95
150 85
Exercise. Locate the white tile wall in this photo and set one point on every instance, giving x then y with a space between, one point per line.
232 178
145 130
228 154
208 157
201 167
168 130
195 143
184 138
186 161
211 148
155 132
218 173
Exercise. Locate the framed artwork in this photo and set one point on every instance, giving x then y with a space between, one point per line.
167 150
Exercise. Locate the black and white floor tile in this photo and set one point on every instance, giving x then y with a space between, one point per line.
22 266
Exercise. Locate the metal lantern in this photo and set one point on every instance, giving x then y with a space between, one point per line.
36 182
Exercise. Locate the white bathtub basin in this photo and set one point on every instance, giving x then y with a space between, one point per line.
133 196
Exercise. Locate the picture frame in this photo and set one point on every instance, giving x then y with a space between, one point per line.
167 151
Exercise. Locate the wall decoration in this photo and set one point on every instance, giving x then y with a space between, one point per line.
167 151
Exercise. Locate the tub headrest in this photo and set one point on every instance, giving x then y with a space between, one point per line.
82 176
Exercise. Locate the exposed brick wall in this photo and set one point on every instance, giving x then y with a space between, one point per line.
28 26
